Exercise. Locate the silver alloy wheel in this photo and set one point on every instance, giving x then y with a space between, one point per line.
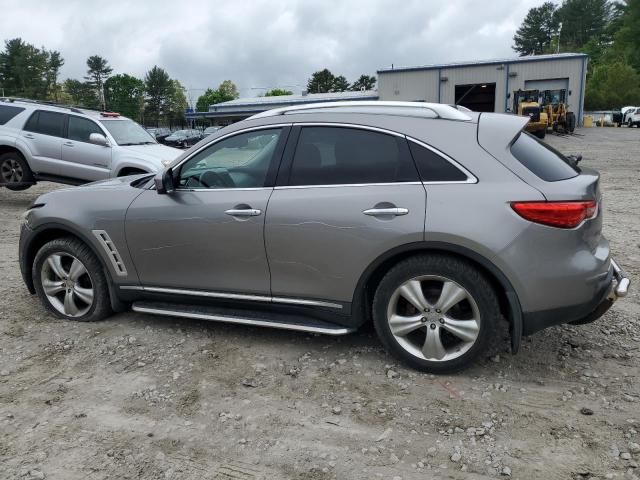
433 318
11 171
67 284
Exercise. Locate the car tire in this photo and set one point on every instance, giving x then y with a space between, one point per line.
15 173
70 281
423 338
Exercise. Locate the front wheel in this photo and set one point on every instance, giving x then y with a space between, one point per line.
436 313
70 281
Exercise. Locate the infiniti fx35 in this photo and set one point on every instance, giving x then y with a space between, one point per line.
434 223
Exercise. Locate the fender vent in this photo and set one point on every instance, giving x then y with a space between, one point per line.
111 251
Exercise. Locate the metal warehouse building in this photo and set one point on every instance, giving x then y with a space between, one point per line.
488 86
235 110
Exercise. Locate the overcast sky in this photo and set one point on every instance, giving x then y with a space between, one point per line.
264 43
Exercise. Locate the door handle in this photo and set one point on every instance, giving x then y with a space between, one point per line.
243 212
379 212
68 144
28 135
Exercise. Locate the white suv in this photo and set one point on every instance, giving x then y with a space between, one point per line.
41 141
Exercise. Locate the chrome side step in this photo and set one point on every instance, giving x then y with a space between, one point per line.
240 317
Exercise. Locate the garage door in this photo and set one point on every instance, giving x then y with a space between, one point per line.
549 84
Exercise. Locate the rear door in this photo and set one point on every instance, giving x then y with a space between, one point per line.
85 160
43 135
345 196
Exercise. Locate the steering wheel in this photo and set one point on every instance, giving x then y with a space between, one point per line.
214 179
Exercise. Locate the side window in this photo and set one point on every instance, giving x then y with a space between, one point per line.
341 155
7 112
46 123
433 167
241 161
80 129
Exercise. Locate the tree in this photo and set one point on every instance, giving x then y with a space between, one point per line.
53 70
627 36
278 92
583 21
365 82
79 93
340 84
612 85
535 35
176 103
98 71
124 94
158 88
226 91
321 82
25 71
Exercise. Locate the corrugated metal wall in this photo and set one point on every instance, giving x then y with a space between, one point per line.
425 84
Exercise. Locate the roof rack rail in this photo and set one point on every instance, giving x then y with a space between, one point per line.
73 108
440 110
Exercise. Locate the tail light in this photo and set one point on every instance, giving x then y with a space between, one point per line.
557 214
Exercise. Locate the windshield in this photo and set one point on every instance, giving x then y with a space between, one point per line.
128 132
180 133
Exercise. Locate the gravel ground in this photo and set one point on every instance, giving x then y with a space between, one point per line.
145 397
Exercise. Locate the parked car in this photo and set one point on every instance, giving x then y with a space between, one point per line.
160 134
210 131
421 218
183 138
40 141
632 117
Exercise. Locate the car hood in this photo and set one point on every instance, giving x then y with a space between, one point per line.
153 152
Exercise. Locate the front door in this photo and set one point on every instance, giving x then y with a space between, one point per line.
85 160
208 235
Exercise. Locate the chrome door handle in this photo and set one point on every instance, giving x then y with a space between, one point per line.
243 212
395 211
28 135
68 144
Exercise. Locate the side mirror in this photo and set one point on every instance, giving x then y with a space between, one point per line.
164 182
99 139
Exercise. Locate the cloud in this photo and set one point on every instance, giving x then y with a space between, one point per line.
262 43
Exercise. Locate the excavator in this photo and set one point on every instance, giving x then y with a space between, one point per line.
547 110
527 103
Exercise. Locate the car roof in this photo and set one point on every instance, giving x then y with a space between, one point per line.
56 107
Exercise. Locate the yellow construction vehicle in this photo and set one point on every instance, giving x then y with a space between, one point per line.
527 103
559 118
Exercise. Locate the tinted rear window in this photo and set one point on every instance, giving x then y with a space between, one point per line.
434 168
7 112
544 161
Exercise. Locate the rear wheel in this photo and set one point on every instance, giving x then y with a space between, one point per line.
436 313
15 173
541 133
571 122
70 282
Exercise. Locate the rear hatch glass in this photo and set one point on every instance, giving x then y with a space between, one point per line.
543 160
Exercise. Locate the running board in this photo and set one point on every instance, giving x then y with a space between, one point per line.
242 317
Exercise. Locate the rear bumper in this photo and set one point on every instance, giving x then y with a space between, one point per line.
614 286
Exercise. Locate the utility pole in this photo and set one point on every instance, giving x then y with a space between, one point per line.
559 32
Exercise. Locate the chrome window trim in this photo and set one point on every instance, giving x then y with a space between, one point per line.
388 184
242 189
471 178
348 125
234 296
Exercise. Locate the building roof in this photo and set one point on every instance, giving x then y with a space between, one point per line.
267 103
494 61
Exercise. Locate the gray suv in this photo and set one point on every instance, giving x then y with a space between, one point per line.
42 141
434 223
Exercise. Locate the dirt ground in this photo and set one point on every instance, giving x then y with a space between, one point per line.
143 397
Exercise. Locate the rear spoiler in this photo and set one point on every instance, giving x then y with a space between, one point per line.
497 131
